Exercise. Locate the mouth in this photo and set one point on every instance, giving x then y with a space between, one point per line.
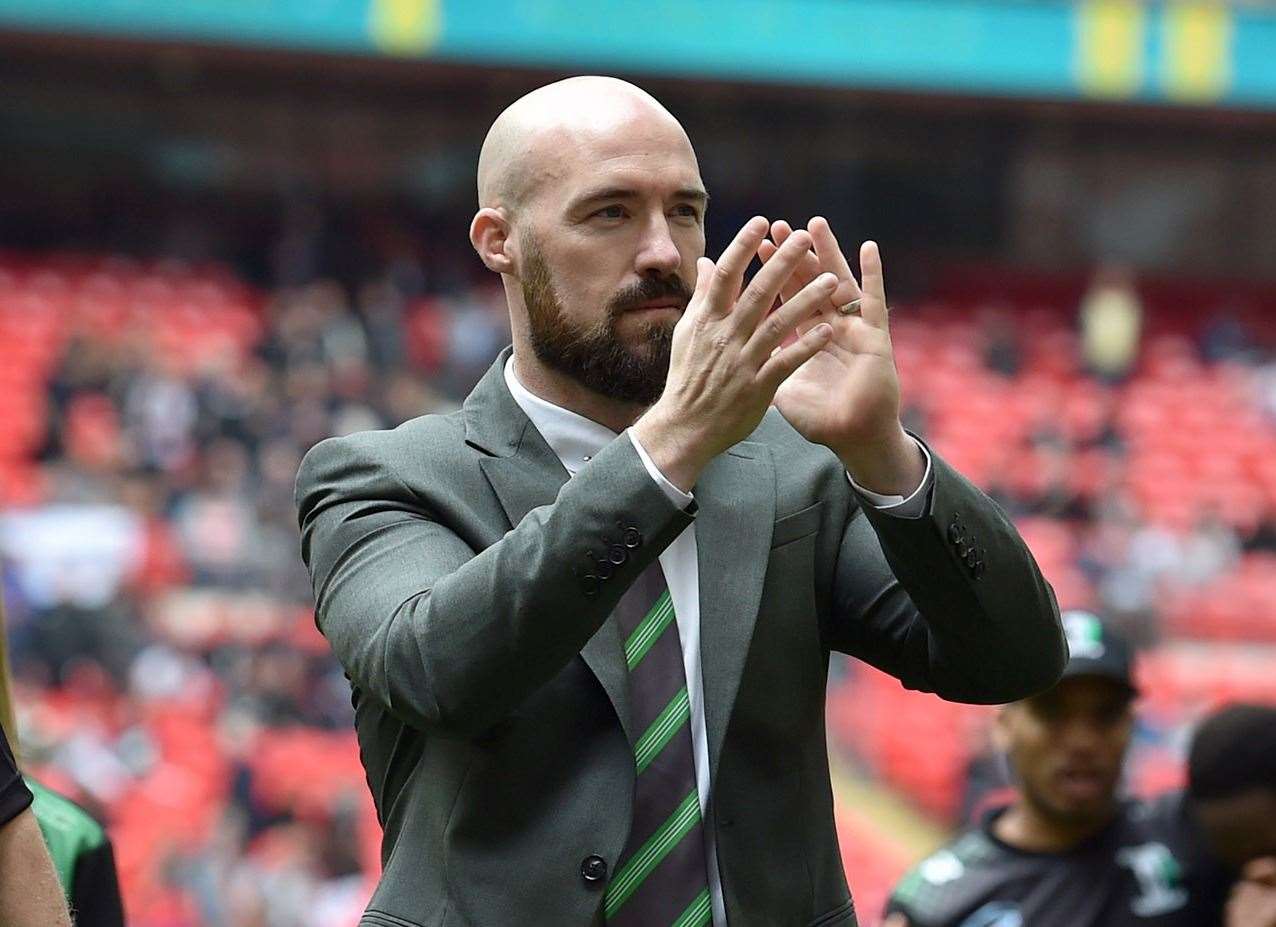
655 305
1082 784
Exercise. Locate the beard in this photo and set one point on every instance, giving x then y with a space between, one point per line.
593 353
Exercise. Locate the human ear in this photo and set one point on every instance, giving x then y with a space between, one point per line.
491 238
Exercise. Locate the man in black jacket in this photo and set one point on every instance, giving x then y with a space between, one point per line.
1069 852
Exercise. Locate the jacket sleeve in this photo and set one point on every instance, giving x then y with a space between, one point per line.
95 889
951 603
448 638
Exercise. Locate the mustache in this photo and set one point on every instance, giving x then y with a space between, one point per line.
649 288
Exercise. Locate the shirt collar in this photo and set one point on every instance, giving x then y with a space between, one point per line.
574 438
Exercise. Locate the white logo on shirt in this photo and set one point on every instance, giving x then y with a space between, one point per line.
1159 876
941 868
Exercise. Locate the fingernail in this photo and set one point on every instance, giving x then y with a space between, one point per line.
823 330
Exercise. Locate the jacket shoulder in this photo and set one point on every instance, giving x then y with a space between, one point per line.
379 459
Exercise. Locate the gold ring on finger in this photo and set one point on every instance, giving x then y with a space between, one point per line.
851 308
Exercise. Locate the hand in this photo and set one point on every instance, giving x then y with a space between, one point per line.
896 920
846 396
728 356
1252 904
1261 870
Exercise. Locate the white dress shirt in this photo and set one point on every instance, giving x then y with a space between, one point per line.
576 439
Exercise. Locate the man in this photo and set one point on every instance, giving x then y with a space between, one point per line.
1068 852
29 892
1232 790
587 618
79 847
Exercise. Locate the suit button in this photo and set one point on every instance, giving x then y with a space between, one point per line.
593 869
632 537
604 569
972 557
978 569
956 533
589 584
617 554
960 545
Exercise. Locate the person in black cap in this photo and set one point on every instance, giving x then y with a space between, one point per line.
1069 851
1231 785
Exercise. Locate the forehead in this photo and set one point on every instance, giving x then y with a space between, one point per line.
643 153
1081 693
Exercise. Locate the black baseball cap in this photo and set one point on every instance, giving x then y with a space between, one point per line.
1095 649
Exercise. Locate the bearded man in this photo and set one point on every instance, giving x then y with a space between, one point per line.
587 618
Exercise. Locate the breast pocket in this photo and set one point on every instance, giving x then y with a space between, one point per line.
796 526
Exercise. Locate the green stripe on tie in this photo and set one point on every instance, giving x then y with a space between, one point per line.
649 630
669 722
698 913
649 855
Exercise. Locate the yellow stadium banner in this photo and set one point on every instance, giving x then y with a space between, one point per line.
405 27
1111 43
1197 42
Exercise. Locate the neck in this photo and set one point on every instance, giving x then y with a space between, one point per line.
1024 827
562 390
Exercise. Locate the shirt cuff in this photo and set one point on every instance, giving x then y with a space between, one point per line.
676 495
912 506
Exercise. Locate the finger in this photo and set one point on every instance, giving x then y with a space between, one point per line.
781 365
728 275
759 296
803 307
831 257
704 277
780 230
806 272
873 308
896 920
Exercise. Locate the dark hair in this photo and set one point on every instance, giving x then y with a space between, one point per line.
1233 751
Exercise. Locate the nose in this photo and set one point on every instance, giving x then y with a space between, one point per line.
1080 736
658 253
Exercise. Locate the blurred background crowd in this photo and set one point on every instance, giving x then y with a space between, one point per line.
214 254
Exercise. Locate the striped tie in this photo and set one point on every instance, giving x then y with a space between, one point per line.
662 879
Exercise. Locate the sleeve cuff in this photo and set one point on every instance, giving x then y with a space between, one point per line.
911 506
679 498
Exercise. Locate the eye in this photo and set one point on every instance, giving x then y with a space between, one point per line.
1110 715
688 211
614 211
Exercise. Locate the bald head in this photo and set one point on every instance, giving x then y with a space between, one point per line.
591 205
526 145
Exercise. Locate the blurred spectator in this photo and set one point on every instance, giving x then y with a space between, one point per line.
149 547
1111 318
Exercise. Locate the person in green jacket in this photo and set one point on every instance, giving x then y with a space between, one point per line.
81 850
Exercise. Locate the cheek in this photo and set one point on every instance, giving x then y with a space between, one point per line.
691 248
1031 752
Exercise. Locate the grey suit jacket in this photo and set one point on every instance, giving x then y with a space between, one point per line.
457 577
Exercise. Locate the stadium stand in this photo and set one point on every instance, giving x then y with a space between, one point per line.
179 686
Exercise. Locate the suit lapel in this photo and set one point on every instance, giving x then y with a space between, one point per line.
736 496
525 473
